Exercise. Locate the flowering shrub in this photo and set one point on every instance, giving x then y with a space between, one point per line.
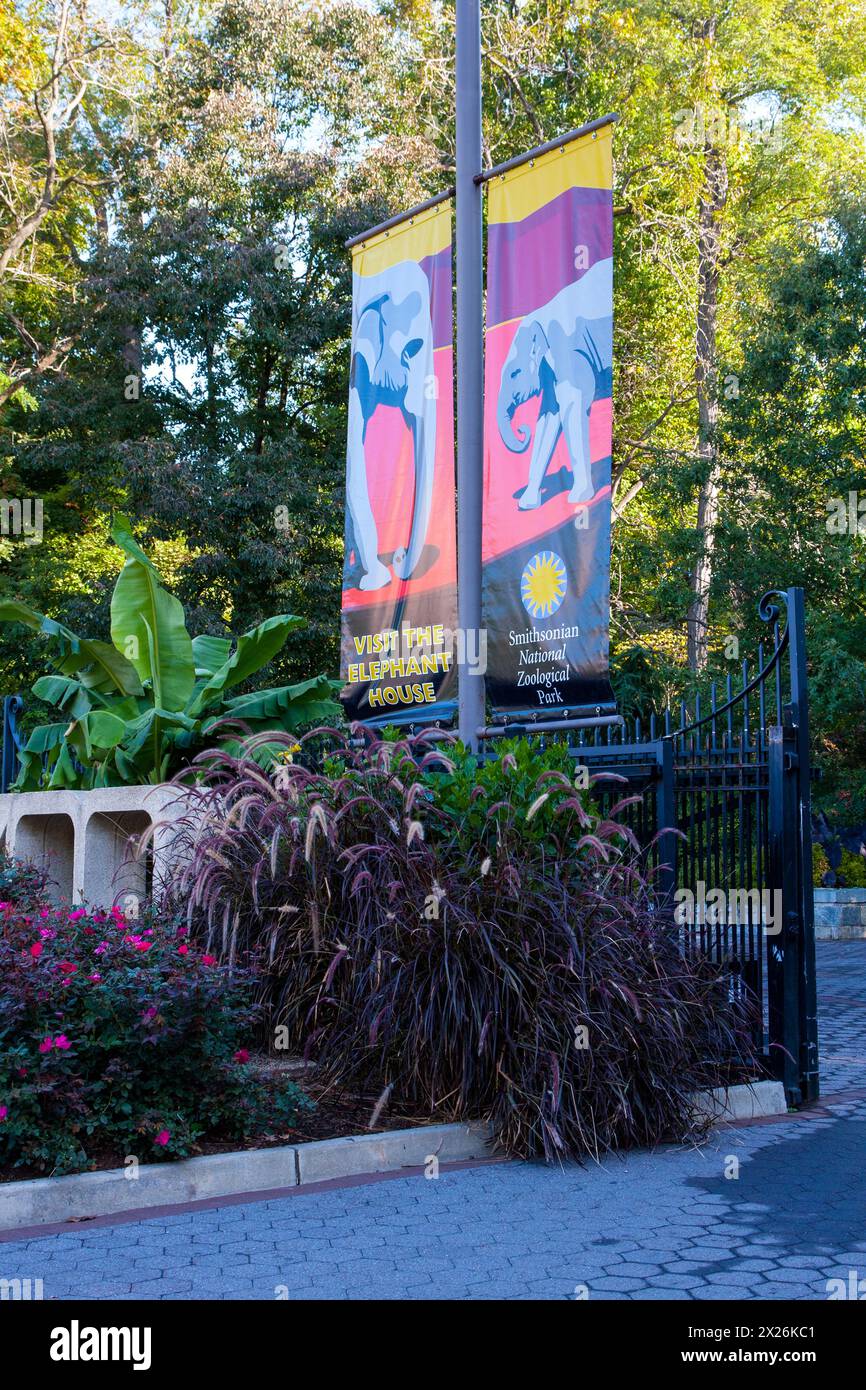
476 943
20 882
120 1037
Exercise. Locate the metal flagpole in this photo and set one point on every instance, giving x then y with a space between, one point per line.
470 361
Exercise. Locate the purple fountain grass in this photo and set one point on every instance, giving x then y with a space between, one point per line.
479 940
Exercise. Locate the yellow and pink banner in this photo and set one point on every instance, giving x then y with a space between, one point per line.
399 607
547 430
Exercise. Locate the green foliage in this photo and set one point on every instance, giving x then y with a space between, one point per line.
852 868
523 790
139 709
119 1037
20 882
192 265
820 865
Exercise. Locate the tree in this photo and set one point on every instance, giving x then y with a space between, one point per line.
792 461
62 68
210 319
731 124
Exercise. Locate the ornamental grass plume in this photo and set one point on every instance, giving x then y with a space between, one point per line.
476 942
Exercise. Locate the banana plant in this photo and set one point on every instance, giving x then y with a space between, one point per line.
136 709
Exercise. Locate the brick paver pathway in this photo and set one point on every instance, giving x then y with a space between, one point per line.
668 1224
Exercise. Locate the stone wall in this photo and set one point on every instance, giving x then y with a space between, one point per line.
840 913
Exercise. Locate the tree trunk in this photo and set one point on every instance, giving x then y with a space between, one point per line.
264 387
714 193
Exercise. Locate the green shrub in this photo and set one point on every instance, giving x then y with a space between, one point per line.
121 1038
21 883
820 865
853 869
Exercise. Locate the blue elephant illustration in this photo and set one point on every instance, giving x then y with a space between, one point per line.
563 353
392 364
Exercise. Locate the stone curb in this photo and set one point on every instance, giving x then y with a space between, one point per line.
47 1201
752 1102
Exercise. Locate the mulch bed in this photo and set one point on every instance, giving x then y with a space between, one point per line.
334 1117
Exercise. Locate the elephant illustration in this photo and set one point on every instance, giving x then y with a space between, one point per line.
392 364
564 354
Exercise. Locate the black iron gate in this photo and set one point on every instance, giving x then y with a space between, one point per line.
732 776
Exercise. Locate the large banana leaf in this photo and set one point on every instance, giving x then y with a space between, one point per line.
286 706
99 665
64 773
147 625
97 730
255 649
151 723
66 693
210 653
41 747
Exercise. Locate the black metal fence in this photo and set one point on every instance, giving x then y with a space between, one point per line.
732 776
11 742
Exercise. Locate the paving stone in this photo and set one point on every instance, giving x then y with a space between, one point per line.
672 1281
616 1285
654 1225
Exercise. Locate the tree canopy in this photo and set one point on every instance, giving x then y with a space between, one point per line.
176 185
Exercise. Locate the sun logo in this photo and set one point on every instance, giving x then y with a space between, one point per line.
542 584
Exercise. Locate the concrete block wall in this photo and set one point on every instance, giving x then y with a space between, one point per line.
840 914
85 839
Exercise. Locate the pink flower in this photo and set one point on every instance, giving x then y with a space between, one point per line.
46 912
149 1013
183 950
68 967
22 1072
36 950
208 960
101 948
95 978
5 907
242 1055
77 914
143 945
162 1138
62 1042
4 1111
47 934
46 1044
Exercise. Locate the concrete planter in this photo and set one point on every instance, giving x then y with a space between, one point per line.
840 914
85 839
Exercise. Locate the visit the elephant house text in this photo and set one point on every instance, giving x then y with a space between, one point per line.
399 654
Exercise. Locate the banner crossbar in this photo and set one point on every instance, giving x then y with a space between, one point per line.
399 217
559 143
535 726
